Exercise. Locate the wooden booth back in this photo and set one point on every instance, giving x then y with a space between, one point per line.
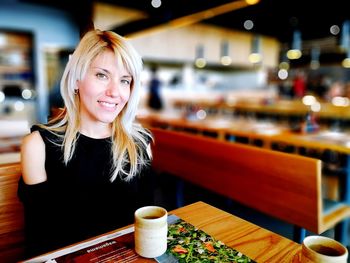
282 185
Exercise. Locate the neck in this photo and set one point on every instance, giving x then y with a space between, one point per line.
96 132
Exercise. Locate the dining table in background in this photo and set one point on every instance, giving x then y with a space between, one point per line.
271 107
263 134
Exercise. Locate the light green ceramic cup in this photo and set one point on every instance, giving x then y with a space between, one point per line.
151 229
320 249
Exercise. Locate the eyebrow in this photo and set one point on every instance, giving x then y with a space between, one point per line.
103 69
108 72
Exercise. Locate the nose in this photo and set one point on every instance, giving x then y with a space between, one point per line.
113 89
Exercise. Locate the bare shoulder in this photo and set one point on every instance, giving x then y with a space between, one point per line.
33 140
33 158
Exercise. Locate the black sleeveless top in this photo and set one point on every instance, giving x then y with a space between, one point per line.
79 201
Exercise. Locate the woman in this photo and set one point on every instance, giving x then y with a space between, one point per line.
84 172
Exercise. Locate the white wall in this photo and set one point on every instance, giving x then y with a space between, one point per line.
179 44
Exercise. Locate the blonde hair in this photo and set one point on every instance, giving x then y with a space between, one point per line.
129 139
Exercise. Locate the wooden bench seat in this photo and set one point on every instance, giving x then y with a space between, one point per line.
11 215
285 186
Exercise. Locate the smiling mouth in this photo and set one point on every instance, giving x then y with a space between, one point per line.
107 104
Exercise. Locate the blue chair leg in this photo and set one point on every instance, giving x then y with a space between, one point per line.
299 234
179 193
341 232
228 203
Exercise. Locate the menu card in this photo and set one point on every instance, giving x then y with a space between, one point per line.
186 243
117 249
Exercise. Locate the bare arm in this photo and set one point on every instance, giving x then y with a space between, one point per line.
33 159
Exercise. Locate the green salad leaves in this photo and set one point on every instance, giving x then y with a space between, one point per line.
189 244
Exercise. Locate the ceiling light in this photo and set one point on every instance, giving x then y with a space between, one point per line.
26 94
226 60
224 51
295 51
255 58
315 58
344 37
314 64
282 74
284 65
334 30
346 63
156 3
294 54
255 55
200 61
248 24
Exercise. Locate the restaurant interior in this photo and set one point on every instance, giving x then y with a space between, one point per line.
258 79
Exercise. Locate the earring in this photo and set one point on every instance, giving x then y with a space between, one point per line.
76 91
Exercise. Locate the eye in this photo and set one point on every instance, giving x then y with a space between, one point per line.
101 76
126 81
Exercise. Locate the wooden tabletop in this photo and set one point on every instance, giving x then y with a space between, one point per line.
256 242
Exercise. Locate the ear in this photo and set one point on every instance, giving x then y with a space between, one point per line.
76 88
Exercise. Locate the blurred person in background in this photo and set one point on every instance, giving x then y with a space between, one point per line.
299 85
55 98
87 170
317 86
154 97
336 89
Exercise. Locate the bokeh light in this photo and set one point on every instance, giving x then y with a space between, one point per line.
2 96
156 3
282 74
248 24
27 94
19 105
334 30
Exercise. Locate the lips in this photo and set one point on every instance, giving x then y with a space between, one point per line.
107 104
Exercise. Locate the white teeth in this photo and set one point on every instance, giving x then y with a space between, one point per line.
106 104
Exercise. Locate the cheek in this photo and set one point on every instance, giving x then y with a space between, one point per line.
125 94
87 94
89 89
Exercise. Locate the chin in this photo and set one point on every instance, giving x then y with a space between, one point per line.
107 119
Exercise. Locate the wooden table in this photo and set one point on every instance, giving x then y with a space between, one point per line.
258 243
281 108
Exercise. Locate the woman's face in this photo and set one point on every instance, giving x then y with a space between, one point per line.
103 91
